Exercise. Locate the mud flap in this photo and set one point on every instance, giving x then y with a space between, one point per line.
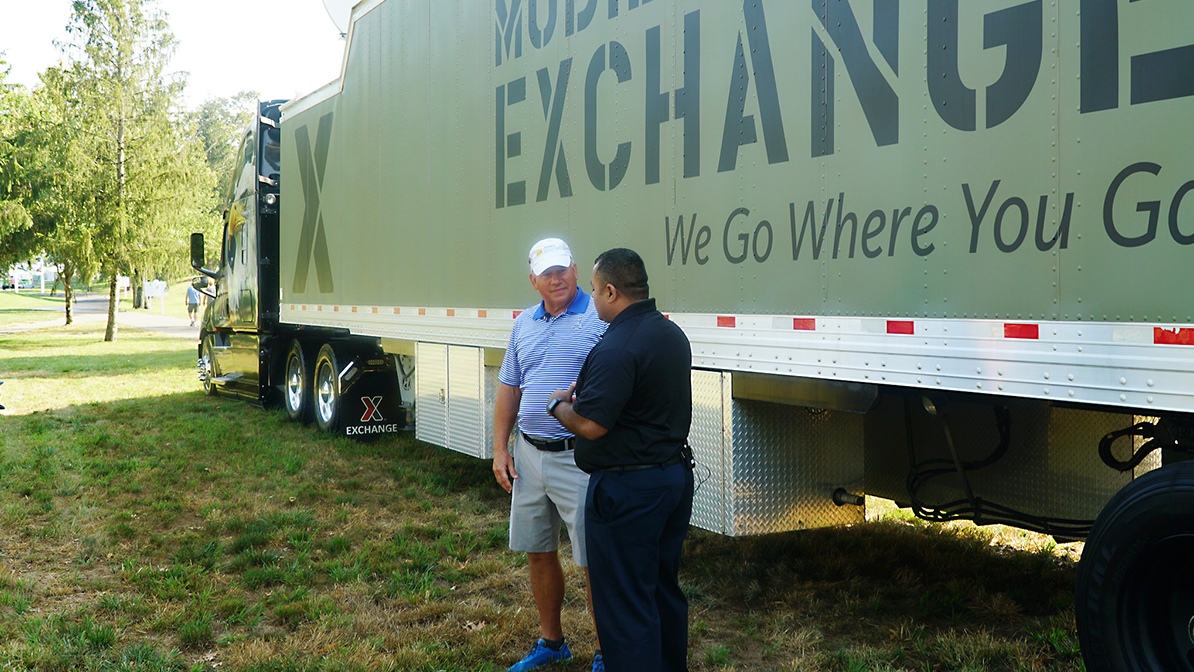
372 403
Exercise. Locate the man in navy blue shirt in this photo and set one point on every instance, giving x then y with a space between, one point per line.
630 410
548 345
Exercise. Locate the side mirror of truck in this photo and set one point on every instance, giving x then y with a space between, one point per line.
197 256
202 284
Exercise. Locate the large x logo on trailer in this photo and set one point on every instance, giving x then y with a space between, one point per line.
313 240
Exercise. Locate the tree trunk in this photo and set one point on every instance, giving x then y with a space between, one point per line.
110 334
67 275
138 301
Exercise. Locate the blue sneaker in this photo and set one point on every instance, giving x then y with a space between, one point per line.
598 663
541 655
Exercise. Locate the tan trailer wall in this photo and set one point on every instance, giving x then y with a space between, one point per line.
409 204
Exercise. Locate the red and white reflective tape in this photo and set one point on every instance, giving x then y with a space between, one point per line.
1025 331
1173 336
1018 331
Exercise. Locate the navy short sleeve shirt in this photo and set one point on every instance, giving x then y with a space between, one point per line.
637 383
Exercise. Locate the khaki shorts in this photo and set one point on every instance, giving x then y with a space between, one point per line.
550 489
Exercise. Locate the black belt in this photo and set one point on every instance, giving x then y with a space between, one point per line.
549 445
639 467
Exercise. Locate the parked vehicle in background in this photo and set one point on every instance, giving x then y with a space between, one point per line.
936 254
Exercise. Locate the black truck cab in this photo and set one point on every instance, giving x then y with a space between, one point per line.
345 383
242 312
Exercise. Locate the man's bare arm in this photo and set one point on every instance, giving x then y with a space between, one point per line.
505 414
574 422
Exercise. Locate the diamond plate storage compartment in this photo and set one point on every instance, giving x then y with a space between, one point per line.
454 393
770 467
709 438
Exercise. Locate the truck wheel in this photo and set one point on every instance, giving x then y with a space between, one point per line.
296 385
327 390
207 368
1134 599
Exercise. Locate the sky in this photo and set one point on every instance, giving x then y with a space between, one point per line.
279 48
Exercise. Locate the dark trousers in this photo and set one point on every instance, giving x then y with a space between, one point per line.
635 524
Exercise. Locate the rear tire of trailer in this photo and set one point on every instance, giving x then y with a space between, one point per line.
208 364
326 397
1134 599
297 385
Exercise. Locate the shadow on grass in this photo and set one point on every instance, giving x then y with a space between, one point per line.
887 595
224 439
922 559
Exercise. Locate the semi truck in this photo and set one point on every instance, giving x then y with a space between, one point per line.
936 252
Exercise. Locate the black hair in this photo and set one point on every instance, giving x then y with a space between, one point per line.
625 270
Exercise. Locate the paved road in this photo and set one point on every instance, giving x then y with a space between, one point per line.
94 308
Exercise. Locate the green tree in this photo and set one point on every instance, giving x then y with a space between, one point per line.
220 124
58 190
16 239
42 148
147 176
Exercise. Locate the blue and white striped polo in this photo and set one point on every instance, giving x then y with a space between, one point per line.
545 354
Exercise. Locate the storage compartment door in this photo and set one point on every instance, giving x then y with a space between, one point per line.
709 441
431 393
466 402
766 467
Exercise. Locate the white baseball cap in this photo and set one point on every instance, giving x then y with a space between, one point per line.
547 253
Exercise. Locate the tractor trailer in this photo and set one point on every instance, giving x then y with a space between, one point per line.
937 252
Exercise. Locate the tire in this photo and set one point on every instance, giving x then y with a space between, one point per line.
326 399
207 368
297 385
1134 600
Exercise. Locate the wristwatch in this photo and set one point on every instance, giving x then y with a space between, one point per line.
551 407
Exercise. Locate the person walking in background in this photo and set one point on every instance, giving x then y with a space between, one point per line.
630 410
192 302
548 346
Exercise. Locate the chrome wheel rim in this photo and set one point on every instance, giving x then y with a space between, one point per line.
325 394
294 384
206 369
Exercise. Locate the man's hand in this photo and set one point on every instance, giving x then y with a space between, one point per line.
505 415
570 419
503 468
568 395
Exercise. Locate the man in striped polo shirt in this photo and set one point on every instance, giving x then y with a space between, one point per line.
547 348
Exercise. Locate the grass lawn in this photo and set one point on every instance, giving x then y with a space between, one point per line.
146 527
23 308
